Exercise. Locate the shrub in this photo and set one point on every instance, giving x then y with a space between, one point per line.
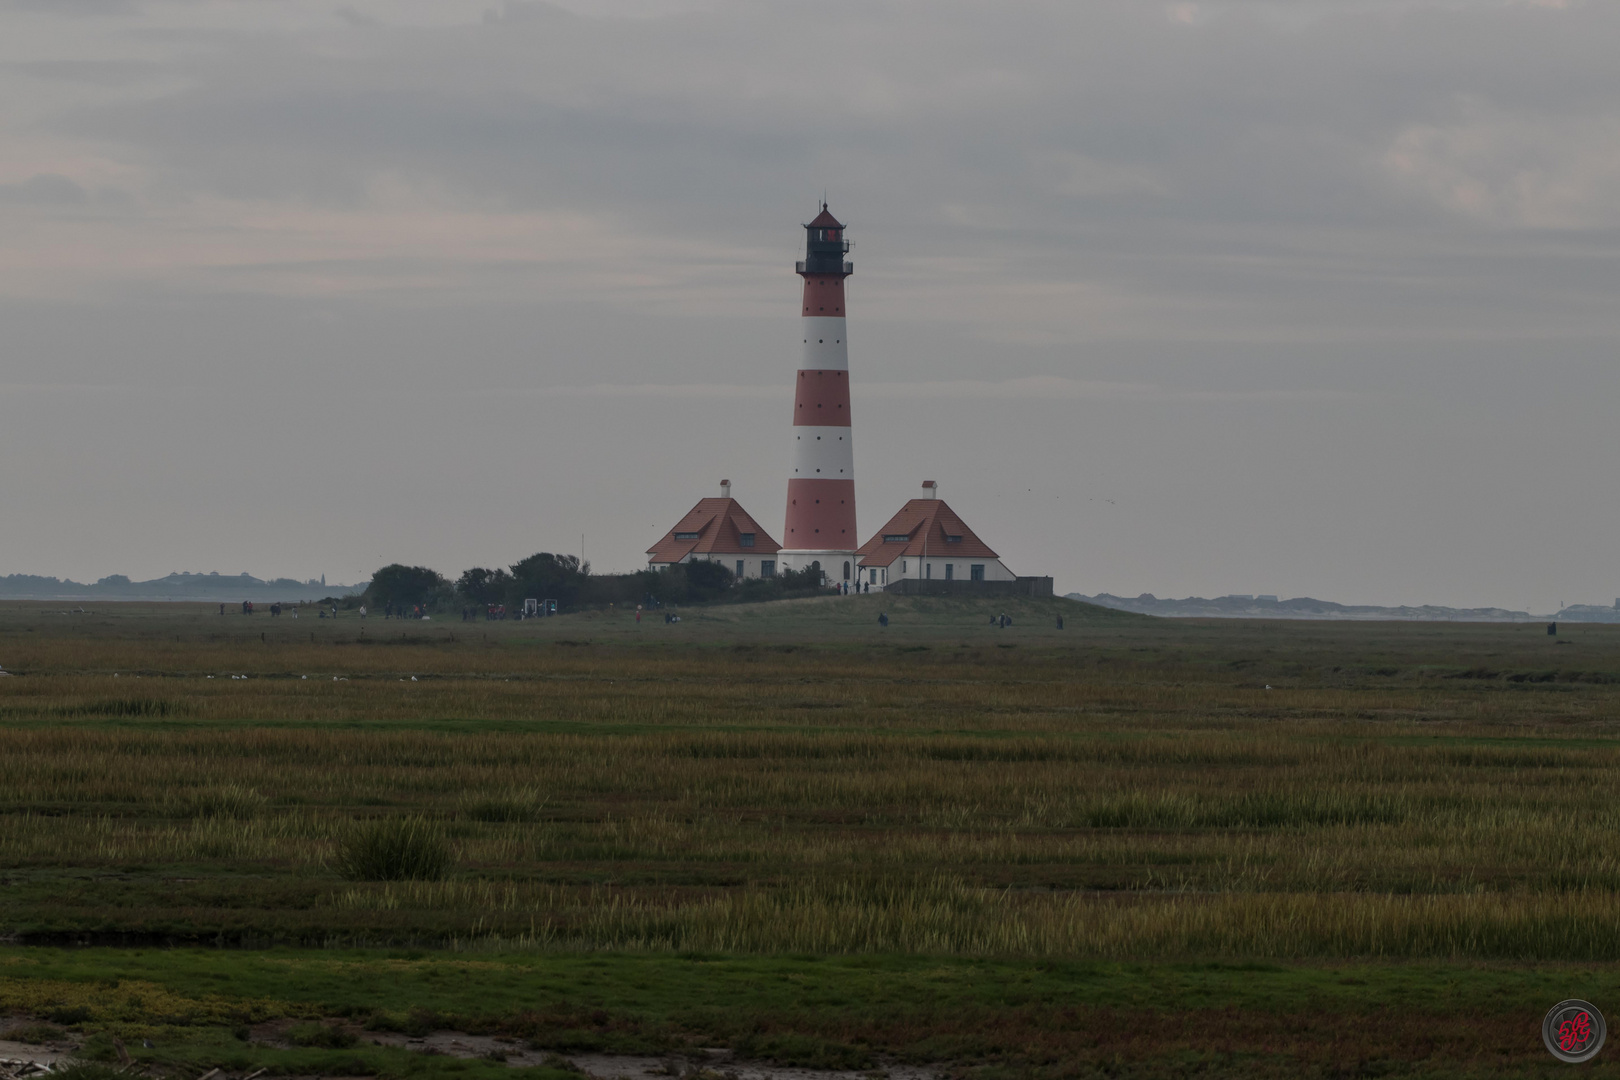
34 1034
395 849
403 585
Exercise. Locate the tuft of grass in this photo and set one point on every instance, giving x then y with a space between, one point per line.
395 849
36 1034
324 1036
561 1064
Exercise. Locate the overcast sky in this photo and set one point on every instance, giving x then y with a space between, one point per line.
1314 297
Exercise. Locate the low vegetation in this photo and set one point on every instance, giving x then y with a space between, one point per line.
569 582
795 781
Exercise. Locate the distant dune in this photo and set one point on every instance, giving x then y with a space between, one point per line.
212 588
1303 607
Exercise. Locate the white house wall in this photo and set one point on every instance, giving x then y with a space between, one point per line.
752 564
994 569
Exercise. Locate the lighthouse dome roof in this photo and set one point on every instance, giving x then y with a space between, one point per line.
825 220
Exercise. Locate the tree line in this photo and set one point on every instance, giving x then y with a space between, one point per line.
567 580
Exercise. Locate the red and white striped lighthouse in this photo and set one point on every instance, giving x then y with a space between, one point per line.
820 528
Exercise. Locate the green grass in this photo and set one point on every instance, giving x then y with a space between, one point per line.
784 829
1049 1016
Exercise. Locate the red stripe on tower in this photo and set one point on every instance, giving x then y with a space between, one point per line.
820 528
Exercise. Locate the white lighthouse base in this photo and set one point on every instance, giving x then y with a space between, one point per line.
836 566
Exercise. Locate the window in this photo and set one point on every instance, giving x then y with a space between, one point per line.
928 570
739 569
747 539
686 536
950 571
896 538
767 568
873 578
976 572
957 539
902 566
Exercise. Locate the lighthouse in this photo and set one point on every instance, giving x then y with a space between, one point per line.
820 527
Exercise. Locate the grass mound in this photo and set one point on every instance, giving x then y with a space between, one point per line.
395 849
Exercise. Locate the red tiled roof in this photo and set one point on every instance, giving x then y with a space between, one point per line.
719 525
824 219
919 519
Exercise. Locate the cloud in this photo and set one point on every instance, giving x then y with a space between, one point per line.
44 189
1512 168
1077 150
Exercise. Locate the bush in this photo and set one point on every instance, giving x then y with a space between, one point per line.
404 586
395 849
35 1034
544 576
483 586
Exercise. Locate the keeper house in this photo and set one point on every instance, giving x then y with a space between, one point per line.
718 530
925 545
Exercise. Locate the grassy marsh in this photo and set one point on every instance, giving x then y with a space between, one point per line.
792 781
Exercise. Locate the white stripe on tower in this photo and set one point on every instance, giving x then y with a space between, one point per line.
820 526
825 346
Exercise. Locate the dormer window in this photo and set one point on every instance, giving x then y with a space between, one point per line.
896 538
686 536
957 539
746 539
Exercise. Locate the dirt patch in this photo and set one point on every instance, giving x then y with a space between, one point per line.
718 1062
40 1043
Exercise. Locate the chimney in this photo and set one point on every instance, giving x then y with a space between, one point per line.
725 489
930 490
